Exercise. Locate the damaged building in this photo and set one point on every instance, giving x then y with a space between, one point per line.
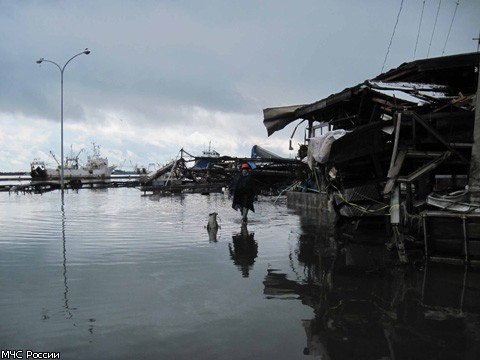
398 150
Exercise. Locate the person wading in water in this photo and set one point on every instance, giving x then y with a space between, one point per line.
243 192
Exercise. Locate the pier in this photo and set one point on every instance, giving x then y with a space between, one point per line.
24 184
209 173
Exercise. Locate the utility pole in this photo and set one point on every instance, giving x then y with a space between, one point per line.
474 178
478 41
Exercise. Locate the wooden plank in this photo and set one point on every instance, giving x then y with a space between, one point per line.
393 172
395 169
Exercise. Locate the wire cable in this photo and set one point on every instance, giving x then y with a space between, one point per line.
393 34
434 26
451 24
362 208
419 27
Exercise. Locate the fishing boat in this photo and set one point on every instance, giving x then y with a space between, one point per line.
96 167
38 169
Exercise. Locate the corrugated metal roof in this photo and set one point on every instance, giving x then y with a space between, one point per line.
446 76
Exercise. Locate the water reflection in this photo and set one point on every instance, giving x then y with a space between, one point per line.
243 250
117 274
64 253
212 234
365 309
66 300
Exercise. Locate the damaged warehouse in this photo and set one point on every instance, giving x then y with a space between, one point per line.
398 150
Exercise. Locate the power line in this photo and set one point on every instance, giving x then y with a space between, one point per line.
434 26
448 35
393 34
418 33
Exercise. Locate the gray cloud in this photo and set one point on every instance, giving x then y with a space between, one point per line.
154 62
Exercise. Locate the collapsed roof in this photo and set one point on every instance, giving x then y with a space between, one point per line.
421 84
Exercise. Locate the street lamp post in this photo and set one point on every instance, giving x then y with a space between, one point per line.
62 69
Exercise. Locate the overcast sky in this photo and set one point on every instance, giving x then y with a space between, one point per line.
166 75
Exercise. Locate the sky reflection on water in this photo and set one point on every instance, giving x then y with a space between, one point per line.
115 275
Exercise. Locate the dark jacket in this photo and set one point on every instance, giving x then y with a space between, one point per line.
243 191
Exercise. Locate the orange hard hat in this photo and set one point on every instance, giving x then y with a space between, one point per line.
245 166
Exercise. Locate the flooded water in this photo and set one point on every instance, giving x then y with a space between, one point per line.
111 274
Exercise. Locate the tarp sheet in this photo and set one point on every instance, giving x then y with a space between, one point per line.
259 152
277 118
319 147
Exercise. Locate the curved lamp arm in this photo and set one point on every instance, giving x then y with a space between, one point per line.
39 61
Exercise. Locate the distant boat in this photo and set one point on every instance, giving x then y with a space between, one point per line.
38 169
210 152
207 159
96 168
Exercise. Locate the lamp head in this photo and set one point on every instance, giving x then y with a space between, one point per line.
86 51
39 61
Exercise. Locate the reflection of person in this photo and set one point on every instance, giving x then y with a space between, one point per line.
244 250
243 192
316 339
